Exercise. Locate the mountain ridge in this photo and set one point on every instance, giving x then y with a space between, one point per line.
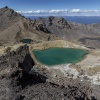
15 26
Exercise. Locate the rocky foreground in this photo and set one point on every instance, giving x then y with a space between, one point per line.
19 83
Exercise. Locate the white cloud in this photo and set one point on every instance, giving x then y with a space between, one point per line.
40 11
64 12
29 11
75 10
58 11
18 11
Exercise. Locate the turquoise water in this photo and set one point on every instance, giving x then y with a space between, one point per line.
56 56
28 41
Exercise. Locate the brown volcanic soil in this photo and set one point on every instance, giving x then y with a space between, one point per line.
17 84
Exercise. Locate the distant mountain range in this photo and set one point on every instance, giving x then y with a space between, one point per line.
15 27
76 19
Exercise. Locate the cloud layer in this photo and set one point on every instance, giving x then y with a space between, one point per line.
62 12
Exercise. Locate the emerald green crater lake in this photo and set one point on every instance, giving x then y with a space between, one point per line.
28 41
56 56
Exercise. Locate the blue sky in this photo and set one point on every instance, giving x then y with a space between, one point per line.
45 6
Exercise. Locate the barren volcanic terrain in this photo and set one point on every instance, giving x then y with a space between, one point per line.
23 77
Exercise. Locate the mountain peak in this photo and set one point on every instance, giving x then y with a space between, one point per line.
8 12
6 7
